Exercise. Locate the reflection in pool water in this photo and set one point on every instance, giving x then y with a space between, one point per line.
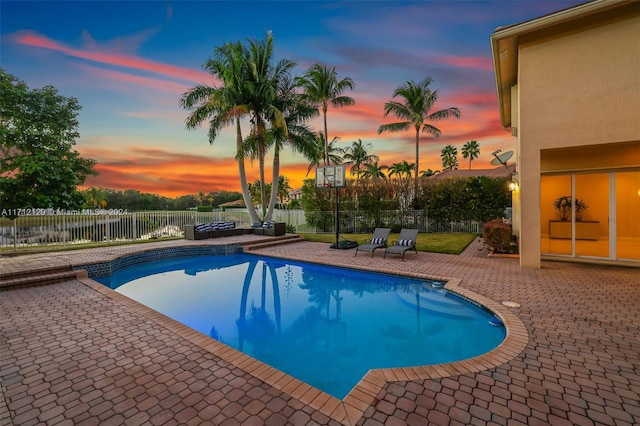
326 326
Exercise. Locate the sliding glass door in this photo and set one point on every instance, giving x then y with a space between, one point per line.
591 215
555 222
627 223
592 212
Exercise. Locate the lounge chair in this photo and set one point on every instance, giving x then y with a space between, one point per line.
378 240
406 241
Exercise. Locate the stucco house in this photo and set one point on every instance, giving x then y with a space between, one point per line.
569 92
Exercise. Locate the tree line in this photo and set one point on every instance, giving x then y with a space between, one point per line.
134 200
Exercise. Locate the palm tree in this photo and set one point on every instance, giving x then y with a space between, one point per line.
428 172
322 87
402 169
316 156
357 155
415 111
95 197
283 188
449 157
261 87
255 190
374 171
471 150
296 112
223 106
201 198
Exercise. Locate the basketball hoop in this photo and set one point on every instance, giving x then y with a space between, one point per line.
331 176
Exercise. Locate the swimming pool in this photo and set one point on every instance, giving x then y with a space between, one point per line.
326 326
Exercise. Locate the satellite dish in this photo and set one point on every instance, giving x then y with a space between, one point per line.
501 158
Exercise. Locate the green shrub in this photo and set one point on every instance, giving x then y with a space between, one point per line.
497 235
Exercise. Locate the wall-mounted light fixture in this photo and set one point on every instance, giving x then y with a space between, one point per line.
513 183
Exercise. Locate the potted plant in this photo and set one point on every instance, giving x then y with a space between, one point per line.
581 206
563 205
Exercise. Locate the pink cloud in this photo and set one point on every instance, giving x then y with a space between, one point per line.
466 97
147 82
474 62
128 61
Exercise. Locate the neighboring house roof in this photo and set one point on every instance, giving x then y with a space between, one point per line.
495 173
236 203
505 39
295 192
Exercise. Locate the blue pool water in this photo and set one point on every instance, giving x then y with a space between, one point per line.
326 326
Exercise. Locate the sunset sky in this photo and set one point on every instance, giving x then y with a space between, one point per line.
128 63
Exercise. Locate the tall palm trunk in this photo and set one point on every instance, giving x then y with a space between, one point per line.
261 155
417 159
326 136
274 181
246 196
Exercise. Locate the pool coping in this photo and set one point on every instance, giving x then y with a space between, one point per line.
351 408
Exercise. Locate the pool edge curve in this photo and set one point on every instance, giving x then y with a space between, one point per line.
351 408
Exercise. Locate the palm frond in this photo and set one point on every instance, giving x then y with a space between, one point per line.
444 114
394 127
431 130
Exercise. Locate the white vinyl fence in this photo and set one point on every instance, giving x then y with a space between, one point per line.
108 226
362 222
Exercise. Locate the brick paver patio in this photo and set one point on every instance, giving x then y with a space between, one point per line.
74 352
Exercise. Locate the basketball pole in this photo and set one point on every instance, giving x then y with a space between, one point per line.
337 217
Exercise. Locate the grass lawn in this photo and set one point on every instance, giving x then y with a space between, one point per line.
436 243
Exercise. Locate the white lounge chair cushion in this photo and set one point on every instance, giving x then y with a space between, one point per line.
377 240
405 243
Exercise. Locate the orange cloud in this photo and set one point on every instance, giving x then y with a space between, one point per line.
171 174
36 40
160 172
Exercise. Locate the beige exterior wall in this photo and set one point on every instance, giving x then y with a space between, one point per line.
577 89
516 213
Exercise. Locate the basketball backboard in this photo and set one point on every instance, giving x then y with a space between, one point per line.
330 176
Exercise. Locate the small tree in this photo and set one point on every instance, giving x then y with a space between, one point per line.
415 111
449 157
315 201
470 150
38 166
322 87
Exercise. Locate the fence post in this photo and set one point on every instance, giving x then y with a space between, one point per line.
107 228
134 228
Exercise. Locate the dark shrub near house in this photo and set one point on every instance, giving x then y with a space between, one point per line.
497 235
